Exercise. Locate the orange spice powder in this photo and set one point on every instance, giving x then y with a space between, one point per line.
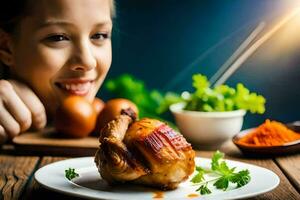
270 133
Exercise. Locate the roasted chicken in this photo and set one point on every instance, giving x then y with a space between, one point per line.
145 152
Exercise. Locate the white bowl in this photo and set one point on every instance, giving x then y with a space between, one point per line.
207 130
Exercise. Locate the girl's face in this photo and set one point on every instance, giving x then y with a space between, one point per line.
63 48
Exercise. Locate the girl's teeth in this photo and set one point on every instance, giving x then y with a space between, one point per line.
76 86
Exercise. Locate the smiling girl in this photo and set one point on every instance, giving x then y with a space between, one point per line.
50 49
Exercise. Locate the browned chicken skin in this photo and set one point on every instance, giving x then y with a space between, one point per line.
146 152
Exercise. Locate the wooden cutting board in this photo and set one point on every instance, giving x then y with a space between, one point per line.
48 142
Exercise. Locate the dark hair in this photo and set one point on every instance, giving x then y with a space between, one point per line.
12 11
10 14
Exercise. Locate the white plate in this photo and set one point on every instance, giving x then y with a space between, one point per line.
90 185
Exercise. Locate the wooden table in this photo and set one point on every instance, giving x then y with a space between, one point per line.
17 182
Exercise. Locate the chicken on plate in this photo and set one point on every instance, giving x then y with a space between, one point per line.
145 152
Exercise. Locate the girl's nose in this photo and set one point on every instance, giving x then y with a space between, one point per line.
83 58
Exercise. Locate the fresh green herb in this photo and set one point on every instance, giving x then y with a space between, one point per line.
203 189
199 176
241 178
222 97
70 173
224 174
153 103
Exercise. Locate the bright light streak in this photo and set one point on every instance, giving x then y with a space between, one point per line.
285 42
255 46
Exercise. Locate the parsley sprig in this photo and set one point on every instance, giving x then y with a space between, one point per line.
224 174
70 173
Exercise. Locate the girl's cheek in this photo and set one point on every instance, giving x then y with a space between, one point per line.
53 59
106 57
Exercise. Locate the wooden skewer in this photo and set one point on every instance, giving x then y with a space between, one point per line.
235 55
244 56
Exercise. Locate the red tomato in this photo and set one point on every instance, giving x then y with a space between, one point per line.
75 117
112 109
98 105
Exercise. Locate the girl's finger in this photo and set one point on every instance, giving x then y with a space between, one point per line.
15 106
10 125
33 103
3 136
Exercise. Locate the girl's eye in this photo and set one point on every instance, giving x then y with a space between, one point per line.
56 38
100 36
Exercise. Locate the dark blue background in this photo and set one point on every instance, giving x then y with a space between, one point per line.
164 42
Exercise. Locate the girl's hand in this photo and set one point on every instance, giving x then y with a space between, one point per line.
20 109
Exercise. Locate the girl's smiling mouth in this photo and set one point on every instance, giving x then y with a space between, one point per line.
75 86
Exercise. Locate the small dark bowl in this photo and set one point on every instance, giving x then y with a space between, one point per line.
259 151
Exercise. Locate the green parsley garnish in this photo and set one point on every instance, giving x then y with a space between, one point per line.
203 189
224 174
70 173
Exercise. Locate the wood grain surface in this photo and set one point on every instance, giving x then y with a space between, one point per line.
48 142
50 138
15 171
291 167
36 191
17 175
